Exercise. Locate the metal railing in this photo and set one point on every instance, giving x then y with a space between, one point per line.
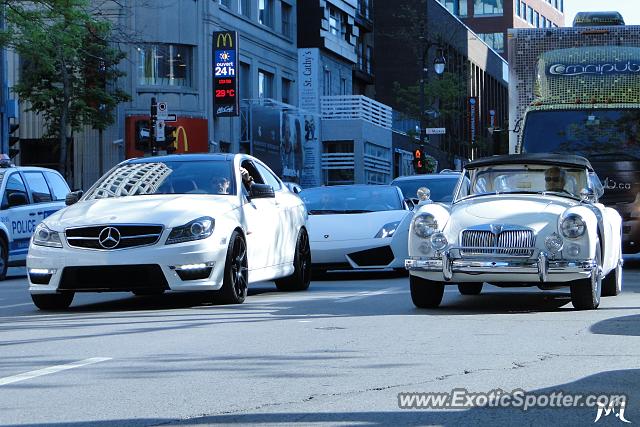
356 107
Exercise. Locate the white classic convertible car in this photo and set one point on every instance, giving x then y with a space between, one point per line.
519 220
181 223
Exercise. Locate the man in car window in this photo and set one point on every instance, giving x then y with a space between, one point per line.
221 185
554 179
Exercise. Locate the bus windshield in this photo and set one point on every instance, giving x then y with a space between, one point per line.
593 133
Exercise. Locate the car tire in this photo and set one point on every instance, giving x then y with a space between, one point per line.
4 258
236 272
612 283
148 292
425 293
585 293
53 301
301 277
470 288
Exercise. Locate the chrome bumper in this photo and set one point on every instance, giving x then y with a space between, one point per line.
541 266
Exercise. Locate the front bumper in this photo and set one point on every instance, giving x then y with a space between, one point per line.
540 269
160 263
359 254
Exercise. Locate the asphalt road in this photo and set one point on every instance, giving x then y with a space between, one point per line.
338 354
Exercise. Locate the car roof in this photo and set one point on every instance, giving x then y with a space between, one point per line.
26 168
451 175
184 158
567 160
355 186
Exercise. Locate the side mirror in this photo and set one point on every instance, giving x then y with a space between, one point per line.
588 195
261 191
410 203
73 197
18 199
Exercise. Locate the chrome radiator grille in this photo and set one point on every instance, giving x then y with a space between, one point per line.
107 237
507 242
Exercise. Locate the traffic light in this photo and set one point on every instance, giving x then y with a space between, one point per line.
143 136
13 141
169 139
419 164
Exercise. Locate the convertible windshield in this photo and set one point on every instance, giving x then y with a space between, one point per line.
351 199
176 177
441 187
548 179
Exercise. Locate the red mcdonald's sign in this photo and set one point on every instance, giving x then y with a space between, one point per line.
192 135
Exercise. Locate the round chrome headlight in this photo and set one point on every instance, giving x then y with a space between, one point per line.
424 225
554 243
573 226
438 241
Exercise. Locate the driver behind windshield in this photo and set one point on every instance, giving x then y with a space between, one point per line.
554 179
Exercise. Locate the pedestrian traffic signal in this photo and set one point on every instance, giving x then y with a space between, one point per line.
419 160
13 141
169 139
143 135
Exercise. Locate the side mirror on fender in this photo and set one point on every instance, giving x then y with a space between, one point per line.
261 191
73 197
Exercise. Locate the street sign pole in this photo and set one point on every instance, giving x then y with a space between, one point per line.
152 126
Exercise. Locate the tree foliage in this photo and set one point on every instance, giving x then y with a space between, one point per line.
68 68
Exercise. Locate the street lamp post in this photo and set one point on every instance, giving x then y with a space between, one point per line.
439 64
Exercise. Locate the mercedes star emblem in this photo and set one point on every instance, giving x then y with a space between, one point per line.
109 237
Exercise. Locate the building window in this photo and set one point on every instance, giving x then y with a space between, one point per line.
456 7
245 8
343 86
245 81
518 7
326 90
265 12
530 15
523 10
334 21
226 3
364 7
536 21
377 164
286 20
494 40
369 60
165 65
286 91
488 7
338 162
265 84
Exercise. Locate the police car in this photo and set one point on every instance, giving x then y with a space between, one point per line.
29 195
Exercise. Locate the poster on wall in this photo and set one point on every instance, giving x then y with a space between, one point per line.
291 146
309 96
265 136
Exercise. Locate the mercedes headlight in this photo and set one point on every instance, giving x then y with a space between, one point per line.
197 229
424 225
44 236
573 226
387 230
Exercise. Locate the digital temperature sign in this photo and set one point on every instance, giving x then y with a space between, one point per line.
226 100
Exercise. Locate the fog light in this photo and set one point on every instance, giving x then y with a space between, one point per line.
196 271
41 276
554 243
573 250
438 241
424 248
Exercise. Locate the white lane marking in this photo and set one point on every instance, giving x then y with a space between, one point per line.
16 305
362 295
51 370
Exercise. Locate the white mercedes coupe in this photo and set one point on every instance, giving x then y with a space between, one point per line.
519 220
357 227
179 223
